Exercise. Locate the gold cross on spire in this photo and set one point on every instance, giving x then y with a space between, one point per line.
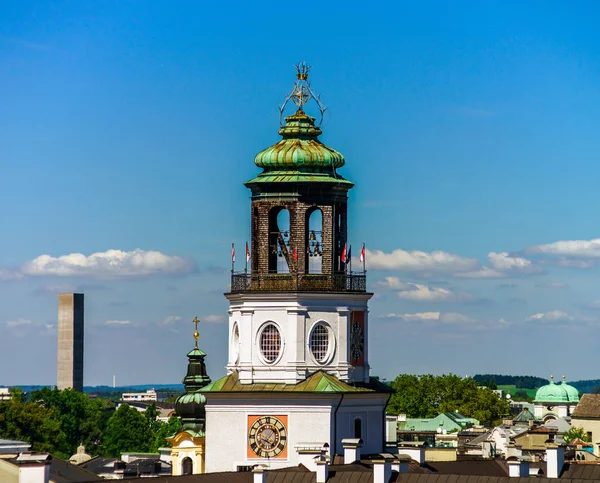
196 333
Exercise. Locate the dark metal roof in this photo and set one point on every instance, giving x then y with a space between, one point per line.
64 472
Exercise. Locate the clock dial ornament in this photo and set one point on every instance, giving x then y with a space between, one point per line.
267 437
357 341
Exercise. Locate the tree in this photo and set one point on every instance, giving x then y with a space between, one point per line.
426 396
166 430
129 430
576 432
28 421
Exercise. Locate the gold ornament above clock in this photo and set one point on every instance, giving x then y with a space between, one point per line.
267 436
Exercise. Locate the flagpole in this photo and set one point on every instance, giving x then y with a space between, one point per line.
364 259
350 258
246 257
232 256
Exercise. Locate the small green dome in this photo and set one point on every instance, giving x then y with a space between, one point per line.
190 405
557 393
300 148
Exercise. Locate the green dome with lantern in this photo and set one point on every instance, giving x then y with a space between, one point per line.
300 157
557 393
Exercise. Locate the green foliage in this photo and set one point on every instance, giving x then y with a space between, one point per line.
81 418
28 421
128 430
576 432
166 430
426 396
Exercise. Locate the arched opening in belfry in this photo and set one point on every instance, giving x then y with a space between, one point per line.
314 241
187 466
279 240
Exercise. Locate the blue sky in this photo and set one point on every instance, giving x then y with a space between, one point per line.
469 128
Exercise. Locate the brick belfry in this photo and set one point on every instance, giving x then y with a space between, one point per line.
70 341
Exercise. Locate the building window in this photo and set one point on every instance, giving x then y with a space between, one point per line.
319 343
270 343
187 466
589 435
358 428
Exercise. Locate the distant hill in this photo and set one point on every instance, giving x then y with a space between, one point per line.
533 382
520 382
134 388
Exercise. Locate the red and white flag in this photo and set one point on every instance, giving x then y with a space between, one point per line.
362 254
232 253
247 253
344 254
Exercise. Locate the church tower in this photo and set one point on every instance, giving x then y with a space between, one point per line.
298 366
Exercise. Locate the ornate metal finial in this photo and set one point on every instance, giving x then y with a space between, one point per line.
302 93
564 378
552 378
196 333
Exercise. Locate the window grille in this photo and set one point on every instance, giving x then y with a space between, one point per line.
319 343
270 343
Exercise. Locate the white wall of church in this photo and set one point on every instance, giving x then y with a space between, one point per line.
227 430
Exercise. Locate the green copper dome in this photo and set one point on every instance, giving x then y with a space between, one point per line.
299 156
557 393
300 148
572 392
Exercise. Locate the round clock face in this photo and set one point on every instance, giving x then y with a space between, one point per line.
357 341
267 437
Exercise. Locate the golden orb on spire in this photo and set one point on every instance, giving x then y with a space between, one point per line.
196 333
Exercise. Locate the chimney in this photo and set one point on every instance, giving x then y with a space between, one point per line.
322 470
416 453
400 464
382 471
34 468
518 468
259 475
555 459
351 449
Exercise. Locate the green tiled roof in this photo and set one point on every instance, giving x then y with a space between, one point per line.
319 382
448 421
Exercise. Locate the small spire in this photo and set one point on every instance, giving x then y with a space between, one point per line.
196 333
551 379
564 378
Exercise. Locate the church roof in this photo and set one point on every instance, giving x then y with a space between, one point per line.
319 382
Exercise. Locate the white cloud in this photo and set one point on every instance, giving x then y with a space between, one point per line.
504 262
450 318
569 248
552 316
117 323
418 261
7 275
108 264
594 304
421 316
213 319
552 285
171 319
423 293
392 283
18 322
483 272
